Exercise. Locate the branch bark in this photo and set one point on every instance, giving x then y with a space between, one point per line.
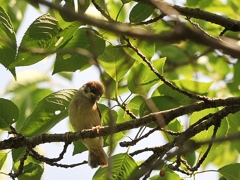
181 32
162 118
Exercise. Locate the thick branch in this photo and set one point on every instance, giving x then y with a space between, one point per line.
165 117
181 32
171 9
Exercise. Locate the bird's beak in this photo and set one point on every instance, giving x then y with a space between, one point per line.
98 97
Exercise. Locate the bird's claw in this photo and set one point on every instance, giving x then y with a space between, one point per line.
97 128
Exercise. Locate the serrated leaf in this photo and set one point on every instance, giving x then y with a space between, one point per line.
84 40
44 35
231 171
3 157
122 168
48 113
115 62
8 45
15 11
140 12
9 113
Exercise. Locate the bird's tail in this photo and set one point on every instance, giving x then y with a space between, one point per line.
97 157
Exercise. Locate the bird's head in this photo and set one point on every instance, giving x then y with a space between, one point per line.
93 90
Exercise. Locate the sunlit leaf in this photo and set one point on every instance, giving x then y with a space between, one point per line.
141 78
3 157
123 166
115 62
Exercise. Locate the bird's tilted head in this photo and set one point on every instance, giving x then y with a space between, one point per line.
93 90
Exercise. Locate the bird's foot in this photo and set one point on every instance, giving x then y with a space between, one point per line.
97 128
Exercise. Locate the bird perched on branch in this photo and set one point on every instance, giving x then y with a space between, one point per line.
85 114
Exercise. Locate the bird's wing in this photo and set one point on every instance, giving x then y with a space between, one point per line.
100 115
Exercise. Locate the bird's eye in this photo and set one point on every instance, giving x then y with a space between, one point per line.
87 89
93 90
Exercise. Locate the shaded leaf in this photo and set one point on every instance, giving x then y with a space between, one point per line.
9 113
8 45
48 112
231 171
86 41
43 37
18 153
140 12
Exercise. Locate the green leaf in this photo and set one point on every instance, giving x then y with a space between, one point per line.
234 127
141 78
65 16
180 98
33 169
123 167
147 48
48 113
176 126
44 36
8 45
140 12
3 157
15 10
79 147
193 86
231 171
84 42
115 62
207 134
126 1
134 104
17 154
9 113
169 175
156 104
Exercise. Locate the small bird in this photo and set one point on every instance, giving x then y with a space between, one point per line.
84 113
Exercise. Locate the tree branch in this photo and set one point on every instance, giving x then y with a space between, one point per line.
164 116
180 33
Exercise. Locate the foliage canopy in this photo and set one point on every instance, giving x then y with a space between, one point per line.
167 69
